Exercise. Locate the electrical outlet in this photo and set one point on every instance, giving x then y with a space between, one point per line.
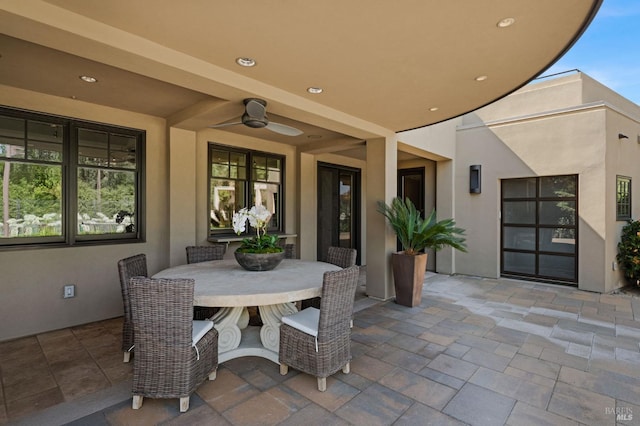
614 266
69 291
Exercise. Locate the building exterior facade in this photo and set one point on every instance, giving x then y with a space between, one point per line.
546 203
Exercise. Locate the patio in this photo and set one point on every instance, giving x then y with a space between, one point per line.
477 351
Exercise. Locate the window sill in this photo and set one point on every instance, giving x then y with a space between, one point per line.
235 238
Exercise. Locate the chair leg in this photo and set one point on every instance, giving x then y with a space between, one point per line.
184 404
322 384
284 369
347 368
127 356
137 401
213 374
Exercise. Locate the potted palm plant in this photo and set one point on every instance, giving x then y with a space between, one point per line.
415 235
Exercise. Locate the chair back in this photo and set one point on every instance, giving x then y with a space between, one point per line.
290 251
134 266
162 312
342 256
336 309
197 254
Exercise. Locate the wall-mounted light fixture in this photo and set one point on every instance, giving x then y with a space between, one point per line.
475 179
622 136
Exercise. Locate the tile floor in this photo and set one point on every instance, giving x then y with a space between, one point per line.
476 351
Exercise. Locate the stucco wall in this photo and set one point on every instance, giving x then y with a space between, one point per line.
623 158
567 143
32 280
564 125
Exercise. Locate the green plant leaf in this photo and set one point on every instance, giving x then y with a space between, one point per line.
415 233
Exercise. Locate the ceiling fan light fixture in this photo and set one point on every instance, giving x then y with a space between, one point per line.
315 90
506 22
246 62
88 79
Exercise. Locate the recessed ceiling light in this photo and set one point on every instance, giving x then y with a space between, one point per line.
481 78
246 62
88 79
506 22
314 90
433 109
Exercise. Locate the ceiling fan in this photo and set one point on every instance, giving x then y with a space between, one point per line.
255 116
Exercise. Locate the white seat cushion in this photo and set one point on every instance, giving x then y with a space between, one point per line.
200 328
306 320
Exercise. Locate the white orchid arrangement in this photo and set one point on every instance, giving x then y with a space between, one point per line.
258 218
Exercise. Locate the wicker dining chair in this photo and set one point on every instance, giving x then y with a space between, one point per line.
197 254
343 257
134 266
318 341
340 256
290 251
174 353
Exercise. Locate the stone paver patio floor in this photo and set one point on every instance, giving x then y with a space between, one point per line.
476 351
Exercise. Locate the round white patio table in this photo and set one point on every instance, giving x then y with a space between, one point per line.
225 284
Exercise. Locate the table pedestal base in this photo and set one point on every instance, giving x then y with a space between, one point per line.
236 339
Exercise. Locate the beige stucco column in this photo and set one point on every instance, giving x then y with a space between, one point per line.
307 200
182 193
382 171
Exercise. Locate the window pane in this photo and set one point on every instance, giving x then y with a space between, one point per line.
519 238
558 186
12 137
34 203
273 170
106 201
227 197
220 157
92 147
523 263
562 267
259 168
559 240
266 194
11 148
558 213
12 127
519 188
123 151
219 170
238 165
520 212
623 198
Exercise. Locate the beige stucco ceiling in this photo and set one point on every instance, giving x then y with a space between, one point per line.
383 65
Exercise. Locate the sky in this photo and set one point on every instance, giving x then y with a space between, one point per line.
609 50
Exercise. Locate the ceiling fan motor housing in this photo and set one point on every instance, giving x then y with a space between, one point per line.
254 122
254 115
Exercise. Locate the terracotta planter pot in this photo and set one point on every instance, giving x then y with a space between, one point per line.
408 277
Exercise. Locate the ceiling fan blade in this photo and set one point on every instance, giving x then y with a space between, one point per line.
255 109
283 129
215 126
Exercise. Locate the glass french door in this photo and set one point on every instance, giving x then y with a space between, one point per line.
338 208
539 237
